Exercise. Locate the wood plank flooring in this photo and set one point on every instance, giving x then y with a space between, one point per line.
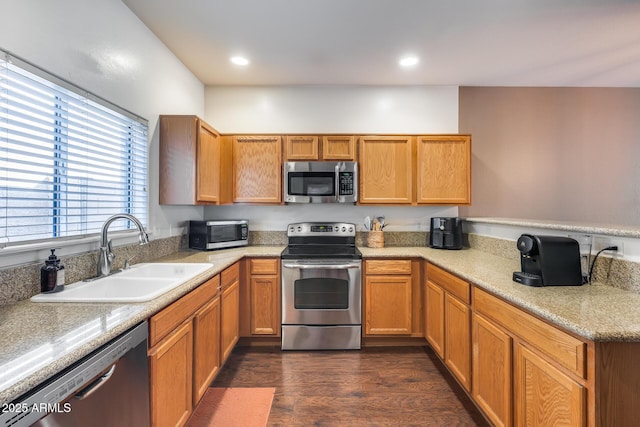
405 386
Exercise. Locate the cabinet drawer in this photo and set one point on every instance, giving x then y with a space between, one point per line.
263 266
168 319
230 274
568 351
452 284
394 266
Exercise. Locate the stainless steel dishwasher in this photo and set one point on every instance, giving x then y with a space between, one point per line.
109 387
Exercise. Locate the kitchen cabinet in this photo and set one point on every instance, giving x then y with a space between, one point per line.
177 334
443 174
492 371
315 148
521 362
385 164
206 347
257 169
544 395
195 163
448 321
388 297
261 311
229 310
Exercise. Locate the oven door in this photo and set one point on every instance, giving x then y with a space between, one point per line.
321 292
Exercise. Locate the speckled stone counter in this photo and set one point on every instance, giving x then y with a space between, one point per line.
595 312
37 340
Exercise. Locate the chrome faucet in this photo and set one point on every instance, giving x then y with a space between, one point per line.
106 255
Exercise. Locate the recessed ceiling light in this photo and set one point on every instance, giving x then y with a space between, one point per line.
408 61
240 60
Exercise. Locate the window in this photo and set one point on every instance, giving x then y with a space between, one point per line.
68 160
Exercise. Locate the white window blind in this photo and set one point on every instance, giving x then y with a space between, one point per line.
68 160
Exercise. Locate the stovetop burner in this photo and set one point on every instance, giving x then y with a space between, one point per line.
321 240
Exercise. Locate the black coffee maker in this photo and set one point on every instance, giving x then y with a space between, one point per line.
548 261
445 233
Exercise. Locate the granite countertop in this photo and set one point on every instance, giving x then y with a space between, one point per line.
38 340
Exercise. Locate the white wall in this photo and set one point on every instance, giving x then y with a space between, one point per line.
331 109
101 46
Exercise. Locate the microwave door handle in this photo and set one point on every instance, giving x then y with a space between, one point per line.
337 186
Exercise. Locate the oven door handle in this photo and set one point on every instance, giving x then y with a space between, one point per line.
303 266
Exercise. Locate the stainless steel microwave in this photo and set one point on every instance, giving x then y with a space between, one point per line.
218 234
320 182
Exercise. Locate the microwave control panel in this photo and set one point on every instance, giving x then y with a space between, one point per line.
346 183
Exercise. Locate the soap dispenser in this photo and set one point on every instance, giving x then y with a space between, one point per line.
52 275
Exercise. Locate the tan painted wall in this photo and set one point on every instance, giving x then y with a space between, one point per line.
568 154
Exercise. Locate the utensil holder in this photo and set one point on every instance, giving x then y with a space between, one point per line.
375 239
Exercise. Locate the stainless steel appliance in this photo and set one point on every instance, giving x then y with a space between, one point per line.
548 261
445 233
218 234
320 182
321 287
109 387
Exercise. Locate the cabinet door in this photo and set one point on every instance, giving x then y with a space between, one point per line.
177 162
492 364
444 170
434 317
385 170
457 341
339 147
230 319
388 305
206 347
265 316
257 169
208 170
544 395
302 147
170 366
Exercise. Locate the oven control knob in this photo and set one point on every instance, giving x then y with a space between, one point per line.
344 229
350 229
337 229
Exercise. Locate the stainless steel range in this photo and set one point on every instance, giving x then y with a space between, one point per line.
321 287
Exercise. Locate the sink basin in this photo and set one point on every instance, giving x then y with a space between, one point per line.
167 269
143 282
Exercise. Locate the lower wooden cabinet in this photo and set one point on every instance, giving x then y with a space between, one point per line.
448 321
388 297
189 340
229 310
457 341
206 347
492 371
170 370
260 312
545 396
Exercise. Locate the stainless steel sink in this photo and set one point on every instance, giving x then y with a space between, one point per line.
142 282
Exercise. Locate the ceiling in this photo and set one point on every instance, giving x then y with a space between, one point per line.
359 42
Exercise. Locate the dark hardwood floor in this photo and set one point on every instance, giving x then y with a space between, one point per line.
405 386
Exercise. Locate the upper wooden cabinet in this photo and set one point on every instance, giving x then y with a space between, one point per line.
302 147
385 170
443 169
313 147
195 163
257 169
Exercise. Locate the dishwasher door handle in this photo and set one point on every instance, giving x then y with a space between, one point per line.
95 385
